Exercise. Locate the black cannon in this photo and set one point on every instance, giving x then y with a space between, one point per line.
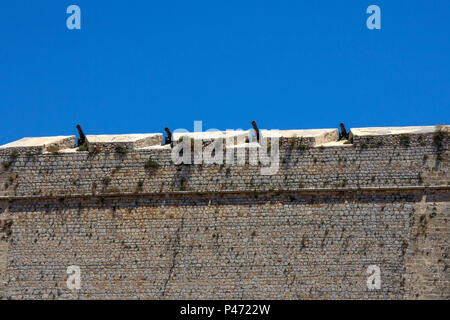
82 138
255 127
168 139
343 134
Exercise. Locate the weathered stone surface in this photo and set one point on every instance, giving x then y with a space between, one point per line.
151 229
311 137
128 142
39 145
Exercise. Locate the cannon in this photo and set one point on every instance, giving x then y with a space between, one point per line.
168 139
343 134
255 127
82 138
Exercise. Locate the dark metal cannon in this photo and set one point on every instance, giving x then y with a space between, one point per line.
82 138
168 139
343 134
255 127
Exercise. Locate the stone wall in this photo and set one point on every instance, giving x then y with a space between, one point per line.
140 226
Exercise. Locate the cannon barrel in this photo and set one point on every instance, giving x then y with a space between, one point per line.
82 139
168 139
255 127
343 134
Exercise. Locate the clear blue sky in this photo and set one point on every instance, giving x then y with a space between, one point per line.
137 66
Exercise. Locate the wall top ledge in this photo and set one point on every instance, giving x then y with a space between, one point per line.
318 137
112 138
382 131
41 142
308 133
207 135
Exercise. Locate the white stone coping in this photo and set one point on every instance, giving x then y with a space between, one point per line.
36 142
207 135
111 138
249 145
163 147
382 131
323 137
307 133
210 135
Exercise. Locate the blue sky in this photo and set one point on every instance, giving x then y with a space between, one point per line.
137 66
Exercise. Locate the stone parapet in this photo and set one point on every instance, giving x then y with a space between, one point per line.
140 226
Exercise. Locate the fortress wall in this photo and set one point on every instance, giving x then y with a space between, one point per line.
223 232
427 259
300 167
5 235
273 246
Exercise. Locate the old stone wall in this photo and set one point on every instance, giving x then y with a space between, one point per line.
139 226
334 167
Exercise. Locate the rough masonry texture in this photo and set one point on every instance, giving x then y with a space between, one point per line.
141 227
